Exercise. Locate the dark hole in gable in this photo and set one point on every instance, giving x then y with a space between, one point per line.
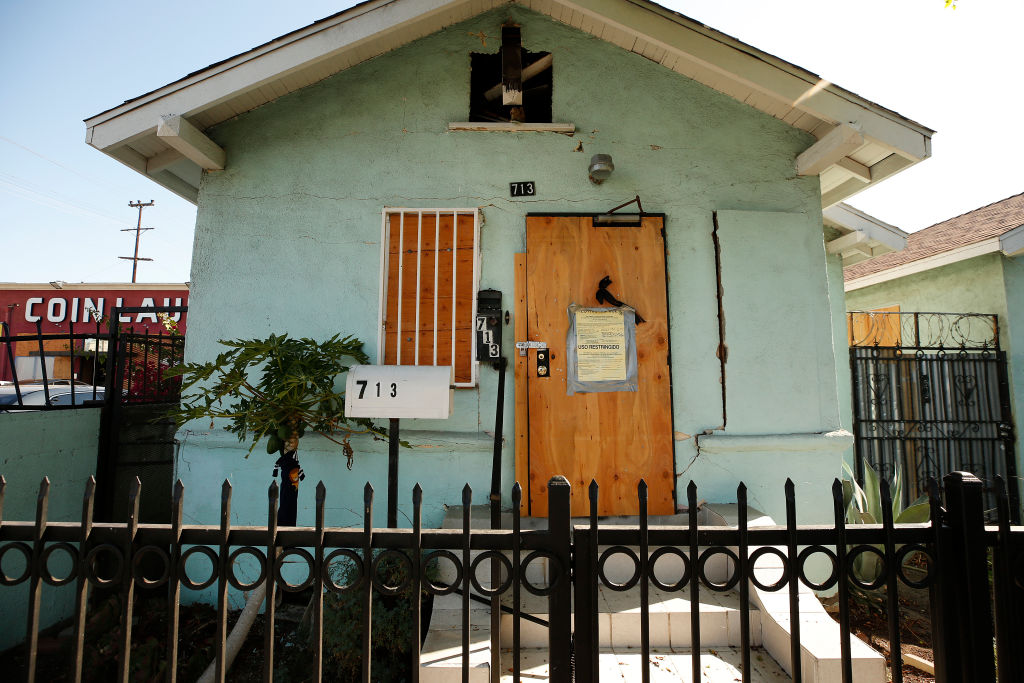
485 73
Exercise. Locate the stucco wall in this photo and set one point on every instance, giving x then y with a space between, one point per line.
991 283
60 445
840 346
971 286
1012 329
287 239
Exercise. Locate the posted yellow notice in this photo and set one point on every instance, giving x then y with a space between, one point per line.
601 345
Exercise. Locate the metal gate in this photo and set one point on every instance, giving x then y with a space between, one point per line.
931 396
136 437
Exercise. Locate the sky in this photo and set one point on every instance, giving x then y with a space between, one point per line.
63 204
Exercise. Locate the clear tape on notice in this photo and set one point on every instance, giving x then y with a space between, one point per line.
600 350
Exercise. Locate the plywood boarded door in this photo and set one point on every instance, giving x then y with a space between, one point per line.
616 438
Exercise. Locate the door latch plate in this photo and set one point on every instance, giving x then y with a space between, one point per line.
524 345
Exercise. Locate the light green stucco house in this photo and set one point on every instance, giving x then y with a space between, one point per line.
972 263
307 154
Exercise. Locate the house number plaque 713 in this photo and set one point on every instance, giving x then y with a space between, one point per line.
394 391
527 188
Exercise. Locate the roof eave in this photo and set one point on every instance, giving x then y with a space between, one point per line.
862 236
887 144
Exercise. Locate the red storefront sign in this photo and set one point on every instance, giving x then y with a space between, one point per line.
82 305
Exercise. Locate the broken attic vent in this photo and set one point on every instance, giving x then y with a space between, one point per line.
485 90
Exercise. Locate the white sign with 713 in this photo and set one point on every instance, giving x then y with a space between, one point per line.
395 391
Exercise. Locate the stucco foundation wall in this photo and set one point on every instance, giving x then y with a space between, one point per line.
60 445
288 240
991 283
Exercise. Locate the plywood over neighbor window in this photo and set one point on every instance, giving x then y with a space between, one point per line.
877 327
428 293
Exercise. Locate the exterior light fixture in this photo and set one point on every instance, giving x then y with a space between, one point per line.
601 167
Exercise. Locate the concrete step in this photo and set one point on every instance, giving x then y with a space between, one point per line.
670 615
441 654
667 664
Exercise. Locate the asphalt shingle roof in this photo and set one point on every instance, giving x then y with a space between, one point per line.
974 226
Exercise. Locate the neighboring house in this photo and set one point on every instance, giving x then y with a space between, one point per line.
75 308
973 263
383 125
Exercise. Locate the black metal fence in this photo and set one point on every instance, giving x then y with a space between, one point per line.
966 563
931 396
133 371
85 350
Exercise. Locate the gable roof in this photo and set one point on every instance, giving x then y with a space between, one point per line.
996 227
160 133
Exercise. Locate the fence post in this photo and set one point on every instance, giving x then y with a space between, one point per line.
560 598
585 627
967 561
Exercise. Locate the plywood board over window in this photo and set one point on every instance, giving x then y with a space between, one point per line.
877 327
430 270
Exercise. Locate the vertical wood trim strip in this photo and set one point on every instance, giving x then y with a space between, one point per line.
385 247
522 416
473 289
455 276
437 266
419 260
401 267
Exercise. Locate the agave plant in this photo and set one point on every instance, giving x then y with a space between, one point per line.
864 506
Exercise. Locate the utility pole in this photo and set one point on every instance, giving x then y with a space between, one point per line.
138 231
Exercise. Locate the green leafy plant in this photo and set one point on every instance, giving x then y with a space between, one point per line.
391 616
278 388
864 506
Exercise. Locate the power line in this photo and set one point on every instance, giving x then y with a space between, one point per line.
138 232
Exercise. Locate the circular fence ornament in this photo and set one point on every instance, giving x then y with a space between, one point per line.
328 578
137 568
91 572
833 576
26 552
310 573
733 579
261 560
611 552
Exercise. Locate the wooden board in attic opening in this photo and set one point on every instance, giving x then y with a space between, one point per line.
421 284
